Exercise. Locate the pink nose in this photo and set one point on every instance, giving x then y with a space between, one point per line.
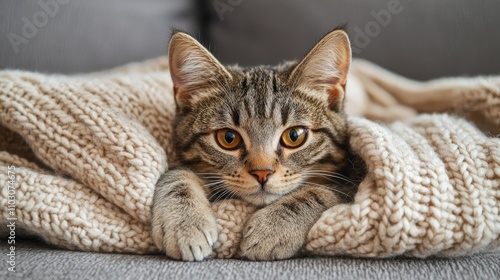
261 174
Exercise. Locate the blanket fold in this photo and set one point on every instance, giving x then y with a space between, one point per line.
432 189
102 140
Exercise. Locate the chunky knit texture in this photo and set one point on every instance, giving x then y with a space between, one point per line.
89 149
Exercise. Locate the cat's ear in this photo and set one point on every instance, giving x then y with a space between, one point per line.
194 70
325 68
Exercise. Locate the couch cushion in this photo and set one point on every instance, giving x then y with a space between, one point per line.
71 36
419 39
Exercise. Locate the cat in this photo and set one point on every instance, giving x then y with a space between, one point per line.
275 137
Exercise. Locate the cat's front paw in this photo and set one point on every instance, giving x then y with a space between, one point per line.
187 237
270 235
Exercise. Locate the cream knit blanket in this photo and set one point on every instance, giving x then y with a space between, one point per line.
86 152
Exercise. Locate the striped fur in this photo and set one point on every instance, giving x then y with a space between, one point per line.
260 103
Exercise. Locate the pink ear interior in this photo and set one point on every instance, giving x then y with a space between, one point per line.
325 67
192 67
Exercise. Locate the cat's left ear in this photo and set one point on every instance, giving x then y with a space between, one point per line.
194 70
325 68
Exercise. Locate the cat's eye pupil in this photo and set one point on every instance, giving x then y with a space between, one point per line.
294 135
229 137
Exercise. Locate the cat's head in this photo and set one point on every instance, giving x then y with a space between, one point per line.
260 133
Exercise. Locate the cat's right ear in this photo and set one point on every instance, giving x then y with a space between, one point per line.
325 68
195 71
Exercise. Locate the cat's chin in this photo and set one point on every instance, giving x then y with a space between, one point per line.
261 198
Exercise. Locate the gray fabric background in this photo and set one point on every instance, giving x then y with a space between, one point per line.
89 35
38 262
427 39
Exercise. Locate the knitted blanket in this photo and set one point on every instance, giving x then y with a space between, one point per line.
80 156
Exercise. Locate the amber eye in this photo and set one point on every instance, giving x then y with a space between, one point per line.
294 137
228 138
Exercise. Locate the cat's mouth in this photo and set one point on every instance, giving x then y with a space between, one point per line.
263 191
259 194
262 197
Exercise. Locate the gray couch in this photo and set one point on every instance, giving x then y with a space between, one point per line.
37 261
421 40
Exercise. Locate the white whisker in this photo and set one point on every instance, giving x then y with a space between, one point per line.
333 189
327 175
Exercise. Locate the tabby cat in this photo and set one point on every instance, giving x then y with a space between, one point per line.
275 137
